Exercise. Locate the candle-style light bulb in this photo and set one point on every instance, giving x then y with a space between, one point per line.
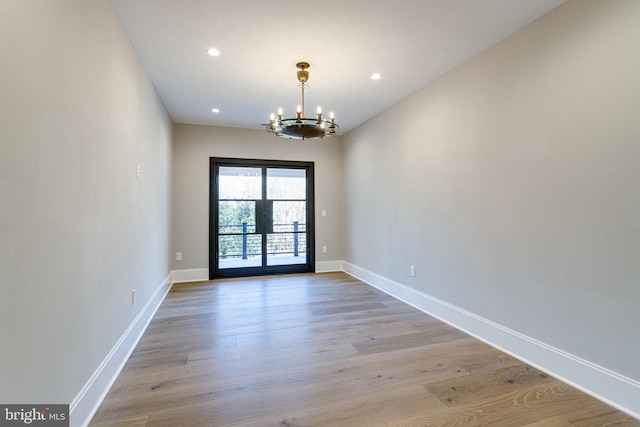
299 109
272 121
319 110
280 114
332 117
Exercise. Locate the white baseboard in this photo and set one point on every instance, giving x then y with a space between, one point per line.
190 275
87 402
611 387
328 266
615 389
202 274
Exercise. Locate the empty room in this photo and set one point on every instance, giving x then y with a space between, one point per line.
409 213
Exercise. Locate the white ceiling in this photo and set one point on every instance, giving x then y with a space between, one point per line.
409 42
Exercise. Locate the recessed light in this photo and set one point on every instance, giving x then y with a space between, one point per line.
213 51
376 76
215 110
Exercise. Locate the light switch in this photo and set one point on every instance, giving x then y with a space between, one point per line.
324 212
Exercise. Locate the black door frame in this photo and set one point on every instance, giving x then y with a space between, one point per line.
214 271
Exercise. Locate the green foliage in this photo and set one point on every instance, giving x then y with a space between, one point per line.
231 216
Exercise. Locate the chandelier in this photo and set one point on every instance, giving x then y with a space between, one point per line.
302 127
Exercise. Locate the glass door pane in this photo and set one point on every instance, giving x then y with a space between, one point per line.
286 216
239 202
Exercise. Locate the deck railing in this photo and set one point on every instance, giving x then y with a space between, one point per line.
239 241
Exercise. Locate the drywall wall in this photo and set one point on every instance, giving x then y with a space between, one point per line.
195 145
512 185
78 229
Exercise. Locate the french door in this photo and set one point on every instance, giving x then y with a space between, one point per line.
261 217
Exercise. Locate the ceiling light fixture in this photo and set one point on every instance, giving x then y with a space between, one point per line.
376 76
213 51
301 127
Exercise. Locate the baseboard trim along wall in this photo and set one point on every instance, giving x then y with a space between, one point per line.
191 275
328 266
202 274
87 402
611 387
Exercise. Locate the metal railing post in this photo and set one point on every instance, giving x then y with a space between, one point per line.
295 238
244 240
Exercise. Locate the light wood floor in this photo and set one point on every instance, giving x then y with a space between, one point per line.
326 350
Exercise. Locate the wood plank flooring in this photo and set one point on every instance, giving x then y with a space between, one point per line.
326 350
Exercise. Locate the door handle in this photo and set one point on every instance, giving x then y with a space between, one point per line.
259 219
268 216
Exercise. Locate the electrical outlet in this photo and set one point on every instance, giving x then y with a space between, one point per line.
178 256
412 270
324 249
133 297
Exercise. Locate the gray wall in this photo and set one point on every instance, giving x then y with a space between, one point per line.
194 145
78 230
513 184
